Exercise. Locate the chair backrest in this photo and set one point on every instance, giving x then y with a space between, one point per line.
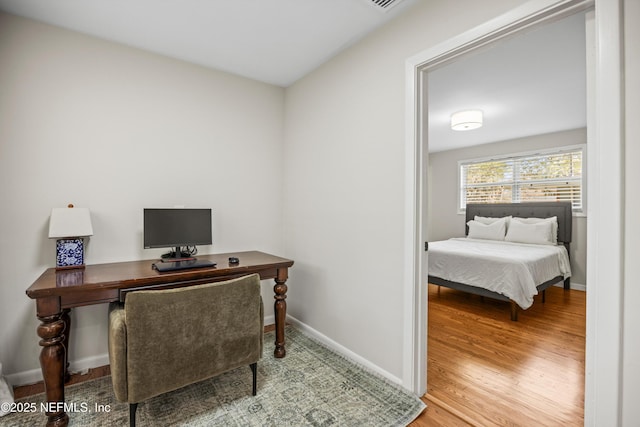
176 337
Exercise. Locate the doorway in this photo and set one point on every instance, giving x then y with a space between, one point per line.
531 89
603 371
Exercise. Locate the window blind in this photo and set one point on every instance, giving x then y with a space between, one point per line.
550 176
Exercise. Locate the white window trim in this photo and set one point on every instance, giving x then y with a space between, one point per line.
510 156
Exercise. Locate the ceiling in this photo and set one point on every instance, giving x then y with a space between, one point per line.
533 83
526 85
275 41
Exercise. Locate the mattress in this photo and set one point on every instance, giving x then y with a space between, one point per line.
511 269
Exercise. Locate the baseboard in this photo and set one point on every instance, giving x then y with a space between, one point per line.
574 286
342 350
270 320
75 367
31 376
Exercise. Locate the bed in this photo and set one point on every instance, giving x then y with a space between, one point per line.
513 270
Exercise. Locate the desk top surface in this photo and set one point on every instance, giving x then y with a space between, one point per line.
121 275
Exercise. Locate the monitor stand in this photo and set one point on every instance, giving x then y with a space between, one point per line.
177 256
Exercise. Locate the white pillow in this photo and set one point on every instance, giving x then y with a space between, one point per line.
553 220
537 233
490 220
494 231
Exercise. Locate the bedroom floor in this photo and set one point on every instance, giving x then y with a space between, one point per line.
490 371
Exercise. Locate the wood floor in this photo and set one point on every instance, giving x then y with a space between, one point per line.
485 370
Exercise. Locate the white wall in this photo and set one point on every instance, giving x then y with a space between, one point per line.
445 221
631 319
116 129
344 187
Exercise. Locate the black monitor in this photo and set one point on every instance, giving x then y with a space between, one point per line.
177 228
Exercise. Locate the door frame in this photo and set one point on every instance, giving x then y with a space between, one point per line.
605 184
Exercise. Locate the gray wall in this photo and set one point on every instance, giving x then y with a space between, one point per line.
445 221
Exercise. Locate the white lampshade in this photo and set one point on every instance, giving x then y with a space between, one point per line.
70 222
466 120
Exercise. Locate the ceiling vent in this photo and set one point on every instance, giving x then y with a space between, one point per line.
383 4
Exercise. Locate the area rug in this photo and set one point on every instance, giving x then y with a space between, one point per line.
311 386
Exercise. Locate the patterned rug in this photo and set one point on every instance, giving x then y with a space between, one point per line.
311 386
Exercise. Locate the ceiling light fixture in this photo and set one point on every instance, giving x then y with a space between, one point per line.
466 120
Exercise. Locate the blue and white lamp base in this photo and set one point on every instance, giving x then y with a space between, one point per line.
69 253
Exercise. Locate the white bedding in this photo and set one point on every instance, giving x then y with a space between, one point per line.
510 269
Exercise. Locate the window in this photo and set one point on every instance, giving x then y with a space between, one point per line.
545 176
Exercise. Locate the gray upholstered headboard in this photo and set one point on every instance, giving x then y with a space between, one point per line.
562 210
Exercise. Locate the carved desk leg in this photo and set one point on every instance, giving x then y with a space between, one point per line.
53 358
66 318
280 308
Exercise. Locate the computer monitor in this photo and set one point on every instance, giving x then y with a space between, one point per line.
176 228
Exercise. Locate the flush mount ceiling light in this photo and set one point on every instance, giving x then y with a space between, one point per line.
466 120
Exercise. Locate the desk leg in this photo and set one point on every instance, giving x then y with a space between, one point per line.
280 308
53 358
66 318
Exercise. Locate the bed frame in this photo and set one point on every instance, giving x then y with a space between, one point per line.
561 210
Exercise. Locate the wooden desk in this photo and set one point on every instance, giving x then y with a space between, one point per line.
56 292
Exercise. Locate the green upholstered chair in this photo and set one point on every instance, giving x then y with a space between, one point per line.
162 340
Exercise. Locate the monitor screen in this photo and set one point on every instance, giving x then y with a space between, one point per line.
176 227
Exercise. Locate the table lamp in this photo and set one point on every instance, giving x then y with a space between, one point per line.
69 225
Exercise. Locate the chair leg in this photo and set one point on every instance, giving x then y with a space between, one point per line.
254 369
132 414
